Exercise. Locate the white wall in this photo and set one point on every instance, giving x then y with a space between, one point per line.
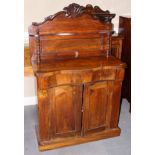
37 10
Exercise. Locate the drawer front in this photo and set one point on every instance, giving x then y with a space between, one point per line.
108 74
75 77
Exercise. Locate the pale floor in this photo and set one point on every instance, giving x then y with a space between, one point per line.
113 146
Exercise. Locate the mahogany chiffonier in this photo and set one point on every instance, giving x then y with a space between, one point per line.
78 80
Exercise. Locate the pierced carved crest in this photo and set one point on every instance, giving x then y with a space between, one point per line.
105 16
74 10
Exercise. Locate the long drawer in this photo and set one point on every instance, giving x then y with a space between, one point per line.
74 77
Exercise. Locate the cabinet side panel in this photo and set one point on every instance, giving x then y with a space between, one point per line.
43 114
115 104
116 49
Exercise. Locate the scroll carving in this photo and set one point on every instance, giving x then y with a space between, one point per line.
102 15
75 10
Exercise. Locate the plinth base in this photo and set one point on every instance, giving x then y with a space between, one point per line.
62 142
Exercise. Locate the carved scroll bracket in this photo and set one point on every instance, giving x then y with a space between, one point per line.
75 10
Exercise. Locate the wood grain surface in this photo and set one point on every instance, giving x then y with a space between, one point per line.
79 76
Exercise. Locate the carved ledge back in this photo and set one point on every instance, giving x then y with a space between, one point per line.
74 32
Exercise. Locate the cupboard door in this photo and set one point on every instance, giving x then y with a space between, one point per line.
65 114
95 107
59 110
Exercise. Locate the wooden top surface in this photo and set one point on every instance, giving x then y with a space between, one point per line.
90 63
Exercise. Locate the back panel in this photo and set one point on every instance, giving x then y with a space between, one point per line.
75 32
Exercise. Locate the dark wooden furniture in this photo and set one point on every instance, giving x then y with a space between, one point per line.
78 80
116 46
125 31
